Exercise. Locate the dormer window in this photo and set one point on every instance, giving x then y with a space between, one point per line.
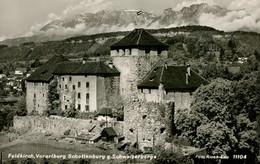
152 78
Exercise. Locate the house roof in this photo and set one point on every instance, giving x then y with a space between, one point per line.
139 38
105 112
44 73
21 69
87 68
110 131
173 78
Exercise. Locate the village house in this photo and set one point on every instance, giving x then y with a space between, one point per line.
20 71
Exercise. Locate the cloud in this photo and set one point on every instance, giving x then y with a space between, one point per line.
187 3
83 6
3 37
245 16
242 15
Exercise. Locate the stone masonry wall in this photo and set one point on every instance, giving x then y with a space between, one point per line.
133 67
37 96
57 125
144 123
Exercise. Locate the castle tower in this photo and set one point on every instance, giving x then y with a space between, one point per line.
135 55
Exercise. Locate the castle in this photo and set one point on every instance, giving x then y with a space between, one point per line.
137 72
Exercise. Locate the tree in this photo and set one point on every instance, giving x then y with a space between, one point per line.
231 44
224 117
53 96
21 107
170 157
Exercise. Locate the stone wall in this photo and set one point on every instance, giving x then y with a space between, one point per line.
144 124
112 90
133 65
37 96
100 91
57 125
182 100
69 95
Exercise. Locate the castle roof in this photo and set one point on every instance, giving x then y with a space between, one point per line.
44 73
109 131
105 112
139 38
173 78
87 68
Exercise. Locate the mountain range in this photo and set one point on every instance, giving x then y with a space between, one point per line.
118 20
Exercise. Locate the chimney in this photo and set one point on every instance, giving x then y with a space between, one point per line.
187 74
111 65
166 65
188 69
187 78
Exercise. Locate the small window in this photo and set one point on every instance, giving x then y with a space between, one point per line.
147 50
150 91
79 106
42 95
87 108
73 87
64 97
34 95
60 86
87 84
78 95
70 78
162 130
38 105
63 78
66 87
87 96
79 84
66 107
159 51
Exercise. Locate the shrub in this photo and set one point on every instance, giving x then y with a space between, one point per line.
67 132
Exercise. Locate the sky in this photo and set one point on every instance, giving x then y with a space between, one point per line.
19 17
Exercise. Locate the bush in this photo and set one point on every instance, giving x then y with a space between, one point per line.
67 132
70 113
170 157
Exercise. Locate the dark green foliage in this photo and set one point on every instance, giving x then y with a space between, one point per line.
70 113
53 96
257 55
224 117
67 132
3 46
214 71
7 113
170 157
21 108
250 65
6 116
231 44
